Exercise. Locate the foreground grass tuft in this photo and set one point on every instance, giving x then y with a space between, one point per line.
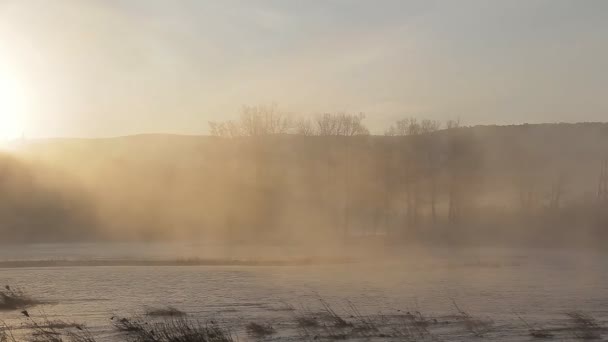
171 330
307 321
44 330
348 323
330 313
6 334
168 311
477 327
14 299
536 332
585 327
260 330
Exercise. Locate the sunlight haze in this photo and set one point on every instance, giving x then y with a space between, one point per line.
110 68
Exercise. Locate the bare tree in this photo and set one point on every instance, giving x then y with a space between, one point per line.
421 164
403 127
352 125
341 124
332 126
452 124
228 129
256 123
411 126
264 120
528 195
327 125
305 127
432 168
429 126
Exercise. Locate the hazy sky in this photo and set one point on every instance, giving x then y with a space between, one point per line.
114 67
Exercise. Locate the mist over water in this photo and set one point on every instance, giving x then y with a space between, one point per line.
511 185
488 231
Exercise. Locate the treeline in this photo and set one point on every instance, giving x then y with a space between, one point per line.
355 174
423 178
269 176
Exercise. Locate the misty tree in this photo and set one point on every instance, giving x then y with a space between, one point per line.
336 128
387 162
431 149
528 174
452 124
429 126
463 164
261 123
254 121
421 164
557 191
305 127
601 209
527 188
264 121
602 186
341 124
411 126
420 170
207 185
403 127
255 125
229 181
227 129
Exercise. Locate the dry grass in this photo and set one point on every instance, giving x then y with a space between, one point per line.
363 325
307 321
124 324
585 327
337 320
540 333
6 334
168 324
15 299
475 326
536 332
45 330
260 330
81 335
168 311
353 324
170 330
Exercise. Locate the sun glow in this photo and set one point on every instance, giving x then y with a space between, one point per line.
12 101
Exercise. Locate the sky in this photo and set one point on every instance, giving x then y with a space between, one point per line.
93 68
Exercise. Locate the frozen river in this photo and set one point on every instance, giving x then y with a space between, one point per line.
541 286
